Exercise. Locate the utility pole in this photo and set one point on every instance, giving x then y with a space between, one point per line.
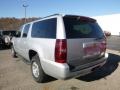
25 11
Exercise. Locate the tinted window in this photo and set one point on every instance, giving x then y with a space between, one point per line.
11 33
0 33
5 32
25 31
76 28
44 29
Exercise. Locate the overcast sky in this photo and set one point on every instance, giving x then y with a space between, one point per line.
41 8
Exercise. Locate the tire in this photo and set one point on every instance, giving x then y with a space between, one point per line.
14 55
36 69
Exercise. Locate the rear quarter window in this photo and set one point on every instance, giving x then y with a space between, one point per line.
44 29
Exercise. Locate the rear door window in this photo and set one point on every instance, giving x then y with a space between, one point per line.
77 28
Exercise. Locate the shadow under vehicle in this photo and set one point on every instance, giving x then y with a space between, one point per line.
103 72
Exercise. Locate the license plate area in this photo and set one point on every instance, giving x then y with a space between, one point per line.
91 49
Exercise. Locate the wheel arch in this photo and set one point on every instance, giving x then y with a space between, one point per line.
31 54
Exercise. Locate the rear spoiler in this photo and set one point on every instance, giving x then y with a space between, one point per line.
81 18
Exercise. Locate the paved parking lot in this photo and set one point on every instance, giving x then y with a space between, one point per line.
16 75
113 42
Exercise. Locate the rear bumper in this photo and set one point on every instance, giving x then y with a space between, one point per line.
62 71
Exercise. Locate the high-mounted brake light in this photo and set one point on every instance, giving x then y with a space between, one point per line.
87 19
61 51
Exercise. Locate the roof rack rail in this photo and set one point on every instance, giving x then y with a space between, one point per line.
51 15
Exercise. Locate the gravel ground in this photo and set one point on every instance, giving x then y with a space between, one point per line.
16 75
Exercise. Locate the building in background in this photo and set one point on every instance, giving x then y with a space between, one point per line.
109 23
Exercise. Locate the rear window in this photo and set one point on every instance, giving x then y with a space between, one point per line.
44 29
82 28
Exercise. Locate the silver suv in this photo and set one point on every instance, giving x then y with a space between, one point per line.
62 46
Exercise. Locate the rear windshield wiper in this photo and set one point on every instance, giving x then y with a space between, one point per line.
99 38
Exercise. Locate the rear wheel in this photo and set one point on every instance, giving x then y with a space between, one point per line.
37 71
13 52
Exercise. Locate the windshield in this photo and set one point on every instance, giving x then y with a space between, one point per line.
77 28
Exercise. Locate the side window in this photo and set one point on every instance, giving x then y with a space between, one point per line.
25 30
44 29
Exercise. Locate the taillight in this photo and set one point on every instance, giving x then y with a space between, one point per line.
61 51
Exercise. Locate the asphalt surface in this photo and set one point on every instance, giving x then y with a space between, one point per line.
15 74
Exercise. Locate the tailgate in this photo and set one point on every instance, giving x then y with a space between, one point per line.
85 40
83 51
